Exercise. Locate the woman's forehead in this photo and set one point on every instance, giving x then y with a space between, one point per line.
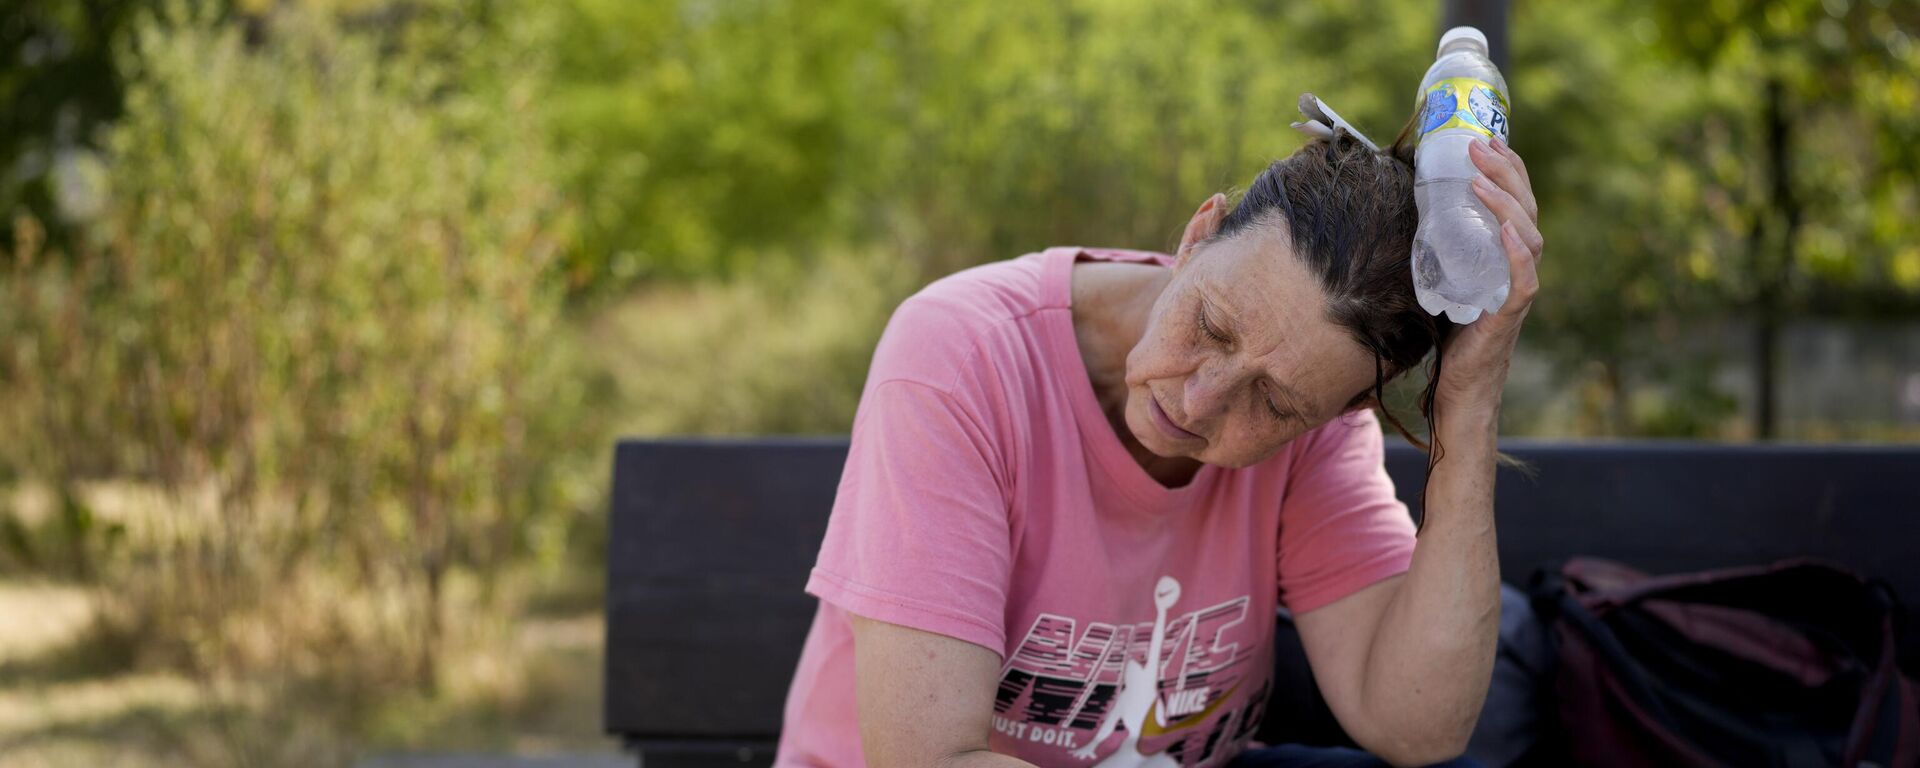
1275 305
1266 289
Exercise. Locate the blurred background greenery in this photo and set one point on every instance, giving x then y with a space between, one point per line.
318 317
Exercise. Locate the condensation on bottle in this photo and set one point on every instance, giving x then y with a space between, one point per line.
1459 265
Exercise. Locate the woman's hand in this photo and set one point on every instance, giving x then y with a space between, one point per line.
1474 369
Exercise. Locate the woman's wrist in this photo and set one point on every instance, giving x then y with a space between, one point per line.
1460 489
1466 420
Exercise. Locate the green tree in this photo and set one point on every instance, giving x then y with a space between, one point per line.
1809 132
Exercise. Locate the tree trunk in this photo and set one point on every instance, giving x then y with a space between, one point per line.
1771 273
1620 419
1490 16
428 670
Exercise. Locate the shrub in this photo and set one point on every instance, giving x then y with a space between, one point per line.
317 325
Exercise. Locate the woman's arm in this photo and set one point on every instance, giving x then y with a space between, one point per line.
1405 663
925 700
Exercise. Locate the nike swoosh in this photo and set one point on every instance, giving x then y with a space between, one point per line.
1152 726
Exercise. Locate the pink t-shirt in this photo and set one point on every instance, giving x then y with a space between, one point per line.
987 498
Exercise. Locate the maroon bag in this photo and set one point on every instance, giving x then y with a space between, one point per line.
1792 664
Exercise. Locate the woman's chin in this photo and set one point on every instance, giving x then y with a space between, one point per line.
1158 444
1150 437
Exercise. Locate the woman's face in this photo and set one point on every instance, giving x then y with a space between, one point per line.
1239 356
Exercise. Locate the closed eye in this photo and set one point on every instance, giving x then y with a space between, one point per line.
1207 327
1266 396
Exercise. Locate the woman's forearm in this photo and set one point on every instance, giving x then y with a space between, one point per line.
1432 655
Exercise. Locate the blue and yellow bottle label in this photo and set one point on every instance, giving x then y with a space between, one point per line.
1463 102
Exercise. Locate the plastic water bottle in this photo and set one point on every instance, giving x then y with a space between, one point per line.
1459 265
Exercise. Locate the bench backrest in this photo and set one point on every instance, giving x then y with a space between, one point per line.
711 541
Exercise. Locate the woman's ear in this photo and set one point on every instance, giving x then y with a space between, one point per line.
1204 223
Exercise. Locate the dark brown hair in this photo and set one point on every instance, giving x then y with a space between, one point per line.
1349 213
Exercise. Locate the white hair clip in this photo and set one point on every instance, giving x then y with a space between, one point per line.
1321 120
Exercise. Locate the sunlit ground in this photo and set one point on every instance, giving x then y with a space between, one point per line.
71 696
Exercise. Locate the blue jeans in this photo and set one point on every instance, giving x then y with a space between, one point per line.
1297 756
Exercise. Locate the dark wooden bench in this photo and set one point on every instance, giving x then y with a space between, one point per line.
711 540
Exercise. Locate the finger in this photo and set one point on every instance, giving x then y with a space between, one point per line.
1523 276
1503 173
1526 177
1509 211
1506 149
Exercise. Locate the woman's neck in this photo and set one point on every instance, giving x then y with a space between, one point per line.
1111 304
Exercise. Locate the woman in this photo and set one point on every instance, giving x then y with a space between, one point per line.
1081 482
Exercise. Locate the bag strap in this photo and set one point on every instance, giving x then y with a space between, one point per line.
1877 726
1825 602
1625 592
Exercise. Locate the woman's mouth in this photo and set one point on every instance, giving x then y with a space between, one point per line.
1165 422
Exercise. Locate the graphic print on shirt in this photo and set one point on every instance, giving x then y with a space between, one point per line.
1168 681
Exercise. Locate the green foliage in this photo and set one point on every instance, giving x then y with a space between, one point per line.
320 318
1849 79
725 135
780 349
717 137
710 140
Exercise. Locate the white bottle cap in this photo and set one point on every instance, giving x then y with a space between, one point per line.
1462 33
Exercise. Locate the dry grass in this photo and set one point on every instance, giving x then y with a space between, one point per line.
304 678
72 692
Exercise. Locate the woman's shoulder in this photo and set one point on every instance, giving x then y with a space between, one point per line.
1012 288
989 320
986 293
940 330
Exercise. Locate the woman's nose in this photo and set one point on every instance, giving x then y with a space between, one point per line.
1206 393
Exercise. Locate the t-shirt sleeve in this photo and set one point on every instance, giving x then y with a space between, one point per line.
1341 527
919 534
